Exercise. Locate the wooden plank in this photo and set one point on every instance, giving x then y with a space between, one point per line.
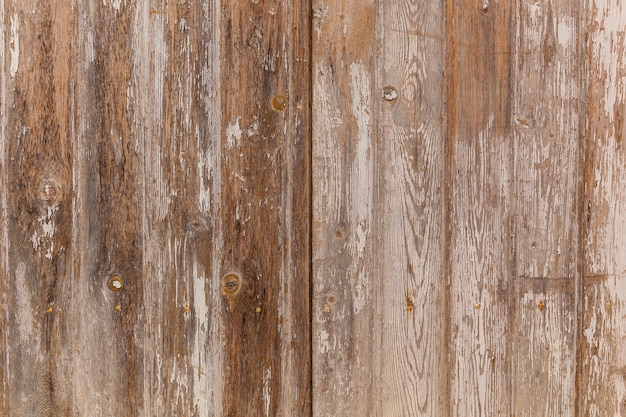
409 200
547 107
603 357
176 91
346 329
264 207
547 104
5 334
108 212
480 225
37 205
378 214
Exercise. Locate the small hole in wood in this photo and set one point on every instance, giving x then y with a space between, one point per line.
390 93
115 283
231 284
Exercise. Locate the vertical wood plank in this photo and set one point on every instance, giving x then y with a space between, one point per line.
603 357
409 201
5 337
548 100
265 207
176 91
108 214
480 225
37 151
346 331
378 142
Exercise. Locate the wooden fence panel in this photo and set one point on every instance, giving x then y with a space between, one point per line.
156 213
443 178
603 338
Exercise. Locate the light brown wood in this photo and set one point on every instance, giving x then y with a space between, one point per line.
548 122
603 339
378 208
480 223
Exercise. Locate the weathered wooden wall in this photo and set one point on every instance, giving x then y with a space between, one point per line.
326 208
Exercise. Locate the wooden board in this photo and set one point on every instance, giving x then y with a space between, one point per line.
548 124
603 338
479 194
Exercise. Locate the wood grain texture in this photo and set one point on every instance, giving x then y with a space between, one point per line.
176 89
130 193
344 157
265 207
410 250
603 368
38 161
480 223
378 241
548 104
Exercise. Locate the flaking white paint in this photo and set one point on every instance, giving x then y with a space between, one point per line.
361 175
14 45
233 134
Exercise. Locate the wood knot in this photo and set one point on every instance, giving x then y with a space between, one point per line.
231 284
115 283
279 103
50 192
198 223
390 93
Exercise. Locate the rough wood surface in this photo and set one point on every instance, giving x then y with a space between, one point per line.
443 178
548 109
149 149
480 224
603 339
377 190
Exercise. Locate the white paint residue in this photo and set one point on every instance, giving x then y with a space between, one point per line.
90 53
564 33
606 45
362 173
14 45
233 134
267 390
324 342
45 240
24 313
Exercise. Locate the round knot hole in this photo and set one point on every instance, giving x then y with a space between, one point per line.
279 103
115 283
231 284
390 93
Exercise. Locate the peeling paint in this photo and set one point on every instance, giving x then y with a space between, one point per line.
14 45
233 134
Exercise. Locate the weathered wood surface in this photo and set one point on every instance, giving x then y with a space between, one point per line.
149 150
472 220
336 208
